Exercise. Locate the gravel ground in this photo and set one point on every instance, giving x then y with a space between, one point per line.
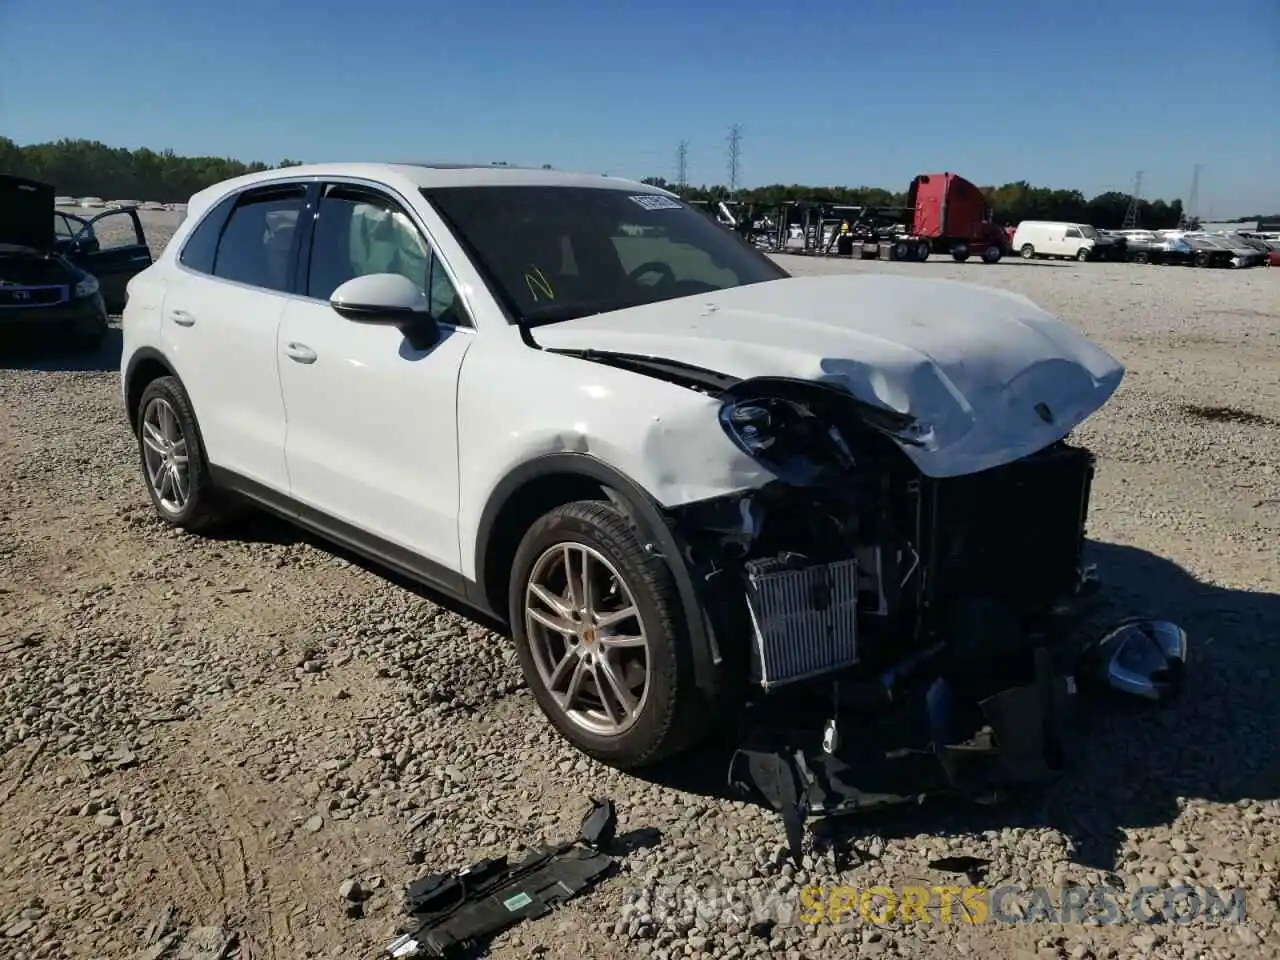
230 729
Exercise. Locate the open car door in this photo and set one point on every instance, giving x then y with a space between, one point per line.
112 247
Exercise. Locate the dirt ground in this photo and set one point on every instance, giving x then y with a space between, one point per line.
220 732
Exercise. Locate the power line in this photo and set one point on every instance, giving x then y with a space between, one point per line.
1135 199
682 164
735 153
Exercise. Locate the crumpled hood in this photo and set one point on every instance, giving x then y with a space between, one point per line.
26 213
990 376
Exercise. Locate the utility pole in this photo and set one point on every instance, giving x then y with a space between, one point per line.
1189 208
735 153
682 165
1135 200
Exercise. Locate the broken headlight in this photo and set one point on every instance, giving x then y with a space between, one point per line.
782 433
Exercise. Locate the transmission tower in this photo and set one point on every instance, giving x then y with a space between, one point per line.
1189 208
1135 200
735 153
682 164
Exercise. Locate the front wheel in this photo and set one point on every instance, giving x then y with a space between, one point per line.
1028 252
1082 254
599 634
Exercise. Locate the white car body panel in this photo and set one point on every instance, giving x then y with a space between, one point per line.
666 438
969 362
372 435
226 359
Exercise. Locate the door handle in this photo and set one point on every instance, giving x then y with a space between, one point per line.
300 352
182 318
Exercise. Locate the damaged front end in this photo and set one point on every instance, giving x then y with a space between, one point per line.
942 622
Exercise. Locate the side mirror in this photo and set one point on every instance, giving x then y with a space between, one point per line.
388 299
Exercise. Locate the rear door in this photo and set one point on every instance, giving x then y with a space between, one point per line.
221 317
119 254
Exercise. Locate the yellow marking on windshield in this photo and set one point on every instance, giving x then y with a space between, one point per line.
537 283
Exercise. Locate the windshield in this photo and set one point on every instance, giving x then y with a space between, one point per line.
556 253
1088 231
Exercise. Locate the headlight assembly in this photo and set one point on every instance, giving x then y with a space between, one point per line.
784 435
86 288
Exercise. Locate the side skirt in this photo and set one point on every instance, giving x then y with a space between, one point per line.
390 555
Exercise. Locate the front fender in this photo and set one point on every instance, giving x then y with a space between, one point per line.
665 439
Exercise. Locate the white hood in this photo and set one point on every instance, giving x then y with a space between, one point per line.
970 363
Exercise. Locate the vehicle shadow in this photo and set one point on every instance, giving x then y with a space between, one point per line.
53 357
1133 761
259 526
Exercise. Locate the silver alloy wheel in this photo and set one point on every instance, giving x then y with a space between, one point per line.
165 453
587 639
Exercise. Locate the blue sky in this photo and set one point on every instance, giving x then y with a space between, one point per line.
1070 93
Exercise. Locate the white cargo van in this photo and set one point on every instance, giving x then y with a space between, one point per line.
1047 238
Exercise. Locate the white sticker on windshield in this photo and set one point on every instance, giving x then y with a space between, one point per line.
655 201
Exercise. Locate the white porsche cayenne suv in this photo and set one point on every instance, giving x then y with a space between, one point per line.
682 477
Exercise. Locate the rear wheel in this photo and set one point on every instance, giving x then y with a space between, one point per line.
923 251
1028 252
1143 257
174 467
959 253
992 254
598 631
902 250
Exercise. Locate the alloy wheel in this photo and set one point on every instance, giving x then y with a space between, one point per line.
164 449
587 639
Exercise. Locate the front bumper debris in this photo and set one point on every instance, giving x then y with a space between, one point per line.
977 731
452 913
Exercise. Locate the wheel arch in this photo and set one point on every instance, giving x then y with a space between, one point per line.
552 480
146 365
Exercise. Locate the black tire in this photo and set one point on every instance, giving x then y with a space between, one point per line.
902 251
205 506
1028 252
672 715
1082 254
1203 259
992 254
960 253
1143 257
923 250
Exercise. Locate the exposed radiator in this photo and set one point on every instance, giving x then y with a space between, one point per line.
804 616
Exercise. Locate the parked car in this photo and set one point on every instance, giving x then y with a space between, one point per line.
681 476
56 281
114 263
1212 252
1077 241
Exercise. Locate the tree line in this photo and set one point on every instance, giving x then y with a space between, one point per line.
90 168
1010 203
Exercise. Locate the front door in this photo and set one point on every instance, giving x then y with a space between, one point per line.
115 251
372 422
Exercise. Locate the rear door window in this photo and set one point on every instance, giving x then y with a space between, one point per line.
258 243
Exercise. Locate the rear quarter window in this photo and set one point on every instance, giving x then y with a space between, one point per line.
202 244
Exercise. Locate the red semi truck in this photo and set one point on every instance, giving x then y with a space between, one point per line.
953 216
